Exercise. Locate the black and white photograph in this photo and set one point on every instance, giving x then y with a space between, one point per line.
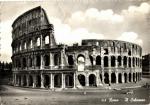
75 52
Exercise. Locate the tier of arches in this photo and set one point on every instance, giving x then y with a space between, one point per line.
58 80
109 78
56 59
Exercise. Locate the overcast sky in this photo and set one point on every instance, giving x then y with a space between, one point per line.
75 20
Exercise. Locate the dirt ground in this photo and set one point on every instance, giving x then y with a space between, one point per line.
10 95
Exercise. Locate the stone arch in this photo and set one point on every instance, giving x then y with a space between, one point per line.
101 78
30 80
57 80
81 79
47 39
24 62
56 59
129 61
125 61
46 60
106 61
46 81
24 80
38 41
81 62
30 62
119 78
69 80
70 60
106 79
92 80
125 77
130 77
113 78
133 77
38 60
91 59
119 60
98 60
38 81
113 61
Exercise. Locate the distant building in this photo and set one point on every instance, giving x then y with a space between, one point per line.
146 66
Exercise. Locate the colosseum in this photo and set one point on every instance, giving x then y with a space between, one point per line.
39 62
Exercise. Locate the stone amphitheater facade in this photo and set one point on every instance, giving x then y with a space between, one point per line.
39 62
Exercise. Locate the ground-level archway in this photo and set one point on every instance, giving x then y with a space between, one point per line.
106 79
81 79
92 80
38 81
57 80
46 81
119 78
113 78
30 80
69 80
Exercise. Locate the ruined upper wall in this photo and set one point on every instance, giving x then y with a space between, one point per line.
30 21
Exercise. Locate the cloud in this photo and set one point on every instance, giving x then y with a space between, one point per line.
130 37
65 34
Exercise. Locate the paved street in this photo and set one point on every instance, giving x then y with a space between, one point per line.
24 96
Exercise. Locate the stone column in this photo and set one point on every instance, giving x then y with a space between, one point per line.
127 77
21 80
127 62
62 80
42 81
41 41
116 77
109 61
87 80
14 79
52 81
103 78
102 61
42 62
109 77
27 79
122 77
34 81
74 80
131 77
122 61
51 60
116 61
62 59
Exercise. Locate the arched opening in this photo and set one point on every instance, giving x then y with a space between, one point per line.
98 60
47 40
25 45
125 61
133 77
106 79
57 80
129 62
105 61
119 60
38 81
91 59
133 60
46 60
92 80
38 42
125 77
129 77
31 44
19 80
101 77
113 61
81 62
24 62
119 78
30 80
136 77
113 78
24 81
38 61
69 80
46 81
56 59
129 53
70 60
81 79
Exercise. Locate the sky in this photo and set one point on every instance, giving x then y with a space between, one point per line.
74 20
